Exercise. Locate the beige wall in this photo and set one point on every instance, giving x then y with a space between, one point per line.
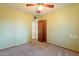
63 27
15 27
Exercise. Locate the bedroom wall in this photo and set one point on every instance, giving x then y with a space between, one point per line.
63 27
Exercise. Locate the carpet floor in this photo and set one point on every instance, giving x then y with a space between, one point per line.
37 49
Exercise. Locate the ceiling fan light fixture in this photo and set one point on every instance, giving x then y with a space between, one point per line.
40 7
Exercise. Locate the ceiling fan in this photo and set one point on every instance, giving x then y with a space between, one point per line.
40 6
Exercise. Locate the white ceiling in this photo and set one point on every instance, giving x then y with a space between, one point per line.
22 7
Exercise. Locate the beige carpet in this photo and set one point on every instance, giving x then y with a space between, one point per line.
37 49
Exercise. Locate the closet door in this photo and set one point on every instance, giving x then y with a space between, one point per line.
20 33
6 34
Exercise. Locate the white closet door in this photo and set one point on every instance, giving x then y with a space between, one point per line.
20 32
6 34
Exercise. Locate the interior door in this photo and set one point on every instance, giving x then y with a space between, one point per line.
42 30
6 34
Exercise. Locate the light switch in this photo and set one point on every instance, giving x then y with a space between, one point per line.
73 36
70 35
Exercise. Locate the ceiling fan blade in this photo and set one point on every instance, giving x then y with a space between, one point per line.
30 4
49 5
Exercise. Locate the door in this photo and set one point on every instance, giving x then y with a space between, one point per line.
6 34
42 30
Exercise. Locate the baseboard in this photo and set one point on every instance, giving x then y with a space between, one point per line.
14 46
63 47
